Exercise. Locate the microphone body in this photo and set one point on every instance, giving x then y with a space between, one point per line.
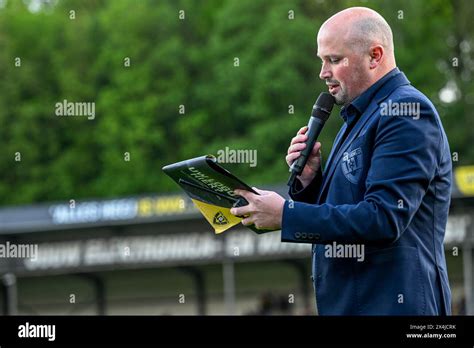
321 112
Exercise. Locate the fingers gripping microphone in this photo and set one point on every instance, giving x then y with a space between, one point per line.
321 111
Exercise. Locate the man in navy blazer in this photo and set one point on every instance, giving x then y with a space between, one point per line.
376 216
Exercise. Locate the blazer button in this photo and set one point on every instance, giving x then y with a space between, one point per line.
297 235
310 235
317 236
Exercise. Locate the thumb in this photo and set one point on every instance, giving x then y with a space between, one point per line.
316 149
261 192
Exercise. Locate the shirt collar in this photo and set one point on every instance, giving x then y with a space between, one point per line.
351 112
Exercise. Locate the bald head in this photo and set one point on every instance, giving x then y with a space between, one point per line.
361 28
362 40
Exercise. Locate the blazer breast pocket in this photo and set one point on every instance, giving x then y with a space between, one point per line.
354 161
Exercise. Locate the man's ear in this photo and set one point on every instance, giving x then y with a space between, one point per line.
376 55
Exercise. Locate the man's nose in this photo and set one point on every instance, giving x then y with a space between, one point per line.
325 72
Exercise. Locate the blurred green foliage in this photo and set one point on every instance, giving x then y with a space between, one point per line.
191 62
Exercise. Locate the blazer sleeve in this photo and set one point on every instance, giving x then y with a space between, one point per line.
404 161
309 194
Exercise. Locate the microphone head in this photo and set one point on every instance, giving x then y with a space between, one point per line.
323 106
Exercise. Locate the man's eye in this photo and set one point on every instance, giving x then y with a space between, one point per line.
334 60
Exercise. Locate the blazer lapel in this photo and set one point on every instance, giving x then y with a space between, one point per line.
335 145
397 81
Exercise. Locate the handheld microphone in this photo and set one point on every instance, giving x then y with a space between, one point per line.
321 111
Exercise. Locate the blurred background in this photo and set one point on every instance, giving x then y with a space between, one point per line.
172 80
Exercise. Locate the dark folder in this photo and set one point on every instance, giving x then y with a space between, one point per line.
211 188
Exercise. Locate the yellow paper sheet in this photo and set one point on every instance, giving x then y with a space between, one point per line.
220 218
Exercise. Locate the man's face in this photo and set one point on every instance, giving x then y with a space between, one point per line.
344 69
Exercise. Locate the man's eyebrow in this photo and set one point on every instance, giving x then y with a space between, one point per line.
329 56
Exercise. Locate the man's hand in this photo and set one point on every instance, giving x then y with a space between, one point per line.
314 159
265 211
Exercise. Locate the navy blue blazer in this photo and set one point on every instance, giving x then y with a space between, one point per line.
386 191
